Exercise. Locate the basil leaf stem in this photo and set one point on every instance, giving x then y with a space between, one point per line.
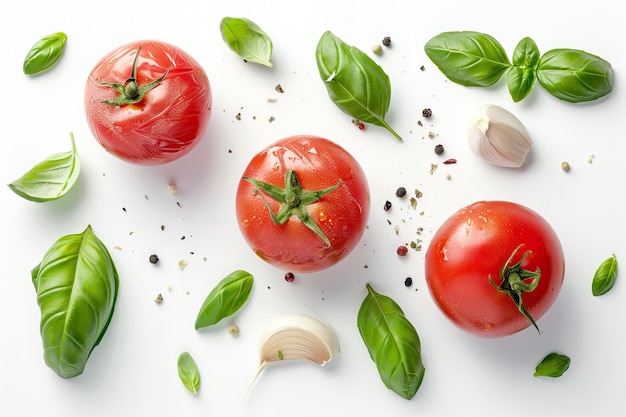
44 53
355 83
553 365
188 372
225 299
247 40
392 342
76 284
50 179
605 276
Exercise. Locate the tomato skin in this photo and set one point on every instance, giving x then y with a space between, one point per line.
341 215
171 118
476 242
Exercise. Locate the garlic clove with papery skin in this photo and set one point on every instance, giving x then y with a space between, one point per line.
498 137
297 336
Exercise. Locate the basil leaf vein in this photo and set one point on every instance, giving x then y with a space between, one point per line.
225 299
354 82
44 53
247 40
468 58
605 276
188 372
76 285
392 342
50 179
575 76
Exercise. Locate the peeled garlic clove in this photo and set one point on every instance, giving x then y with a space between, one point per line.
297 336
498 137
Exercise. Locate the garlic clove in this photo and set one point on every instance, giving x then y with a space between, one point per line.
297 336
498 137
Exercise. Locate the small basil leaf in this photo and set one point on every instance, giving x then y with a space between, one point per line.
392 342
44 53
468 58
188 372
575 76
230 294
522 76
605 276
355 83
554 365
76 284
50 179
247 40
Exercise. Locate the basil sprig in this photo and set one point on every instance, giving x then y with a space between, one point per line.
225 299
553 365
477 59
50 179
247 40
76 284
44 53
392 342
188 372
605 276
355 83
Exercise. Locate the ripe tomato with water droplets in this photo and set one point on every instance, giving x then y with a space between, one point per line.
148 102
494 268
303 203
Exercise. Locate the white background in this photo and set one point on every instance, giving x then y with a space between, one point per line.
133 371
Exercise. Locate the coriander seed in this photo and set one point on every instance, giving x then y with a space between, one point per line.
565 166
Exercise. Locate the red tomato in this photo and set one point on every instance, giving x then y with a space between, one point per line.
303 203
148 102
488 241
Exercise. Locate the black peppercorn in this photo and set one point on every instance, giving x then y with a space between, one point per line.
427 113
290 277
154 259
408 282
439 149
387 41
401 192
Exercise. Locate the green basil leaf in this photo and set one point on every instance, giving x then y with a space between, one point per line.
468 58
225 299
522 76
44 53
605 276
188 372
575 76
76 284
247 40
50 179
554 365
355 83
392 342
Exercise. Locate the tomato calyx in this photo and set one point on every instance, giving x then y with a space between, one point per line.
295 201
130 91
516 280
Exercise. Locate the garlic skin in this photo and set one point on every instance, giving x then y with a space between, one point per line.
498 137
296 336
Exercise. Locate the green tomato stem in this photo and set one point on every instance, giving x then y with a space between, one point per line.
516 280
295 201
130 92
